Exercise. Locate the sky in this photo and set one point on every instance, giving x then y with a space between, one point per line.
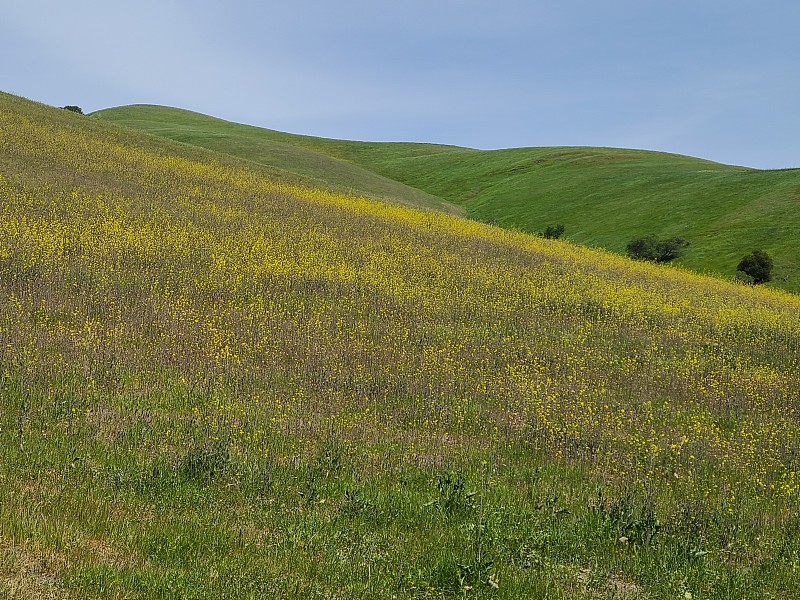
715 79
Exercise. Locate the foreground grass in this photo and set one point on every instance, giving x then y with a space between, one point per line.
605 197
218 386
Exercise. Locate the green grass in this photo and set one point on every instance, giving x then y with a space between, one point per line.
217 385
605 197
280 151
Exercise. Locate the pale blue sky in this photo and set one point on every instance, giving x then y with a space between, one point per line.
717 79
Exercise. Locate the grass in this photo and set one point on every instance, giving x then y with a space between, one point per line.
217 384
605 197
276 150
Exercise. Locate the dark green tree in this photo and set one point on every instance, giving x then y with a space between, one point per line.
73 108
553 232
656 250
756 265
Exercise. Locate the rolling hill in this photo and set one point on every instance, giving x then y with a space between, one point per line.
305 163
605 197
219 383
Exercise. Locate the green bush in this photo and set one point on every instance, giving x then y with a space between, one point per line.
656 250
73 108
553 232
757 265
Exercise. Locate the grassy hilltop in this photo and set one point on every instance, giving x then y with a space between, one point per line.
276 150
605 197
216 383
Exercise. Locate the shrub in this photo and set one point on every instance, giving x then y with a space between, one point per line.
73 108
757 265
553 232
651 248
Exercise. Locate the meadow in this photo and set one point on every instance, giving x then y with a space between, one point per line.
605 197
299 157
215 383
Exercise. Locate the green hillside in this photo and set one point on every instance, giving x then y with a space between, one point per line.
275 150
219 384
605 197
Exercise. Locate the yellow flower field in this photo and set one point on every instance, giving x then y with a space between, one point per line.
150 301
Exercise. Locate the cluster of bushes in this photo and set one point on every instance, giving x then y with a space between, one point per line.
656 250
754 268
553 232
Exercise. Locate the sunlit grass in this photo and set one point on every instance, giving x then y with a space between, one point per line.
605 197
215 385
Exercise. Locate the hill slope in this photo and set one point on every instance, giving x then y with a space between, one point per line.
605 197
214 384
307 163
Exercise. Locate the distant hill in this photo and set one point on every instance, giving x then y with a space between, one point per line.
605 197
274 149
